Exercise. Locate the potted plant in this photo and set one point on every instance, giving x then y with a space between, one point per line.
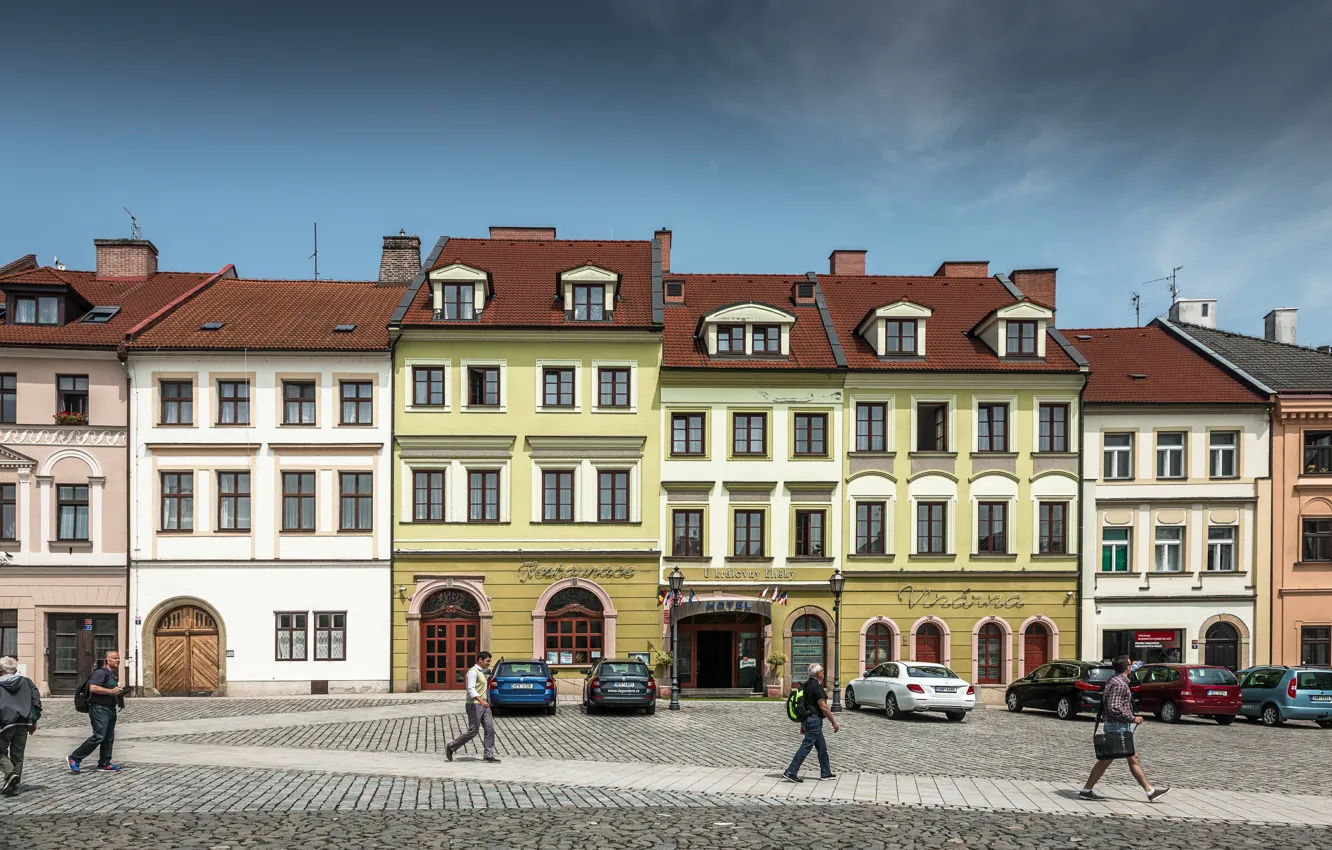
776 662
71 417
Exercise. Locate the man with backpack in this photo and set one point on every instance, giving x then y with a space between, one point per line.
809 705
105 694
20 707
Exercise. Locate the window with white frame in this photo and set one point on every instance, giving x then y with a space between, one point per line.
1223 453
1221 548
1118 455
1169 549
1170 455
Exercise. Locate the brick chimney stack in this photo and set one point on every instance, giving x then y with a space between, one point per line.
664 237
125 258
401 259
522 233
846 262
963 268
1036 284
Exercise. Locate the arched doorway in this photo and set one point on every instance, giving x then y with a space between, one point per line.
1222 646
989 654
450 639
1035 647
880 643
929 644
186 655
575 627
809 644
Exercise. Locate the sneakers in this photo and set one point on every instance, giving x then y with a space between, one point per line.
73 764
491 759
448 752
791 777
1088 794
10 787
1158 793
828 777
108 768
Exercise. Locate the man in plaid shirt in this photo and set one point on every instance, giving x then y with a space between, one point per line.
1118 716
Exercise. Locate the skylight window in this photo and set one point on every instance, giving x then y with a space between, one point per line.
100 315
211 326
344 329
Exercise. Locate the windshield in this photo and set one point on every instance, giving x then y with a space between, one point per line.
1100 674
1211 676
625 668
931 673
509 668
1319 681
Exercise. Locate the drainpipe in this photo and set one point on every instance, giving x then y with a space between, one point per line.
1082 507
122 354
394 335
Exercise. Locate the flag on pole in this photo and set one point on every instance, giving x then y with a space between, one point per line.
764 594
661 598
692 595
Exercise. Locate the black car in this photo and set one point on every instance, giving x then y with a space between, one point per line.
620 684
1066 687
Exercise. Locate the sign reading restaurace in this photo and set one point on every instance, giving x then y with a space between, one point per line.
532 570
926 598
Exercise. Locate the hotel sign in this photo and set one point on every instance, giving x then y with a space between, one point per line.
534 571
926 598
762 607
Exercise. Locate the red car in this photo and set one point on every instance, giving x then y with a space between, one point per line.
1172 690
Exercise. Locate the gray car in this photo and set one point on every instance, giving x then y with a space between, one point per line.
620 684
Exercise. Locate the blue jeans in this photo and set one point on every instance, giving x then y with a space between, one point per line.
103 737
1117 726
813 740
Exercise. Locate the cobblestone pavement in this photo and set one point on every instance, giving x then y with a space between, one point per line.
58 712
826 828
1032 745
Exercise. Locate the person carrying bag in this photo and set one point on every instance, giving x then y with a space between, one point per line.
1116 741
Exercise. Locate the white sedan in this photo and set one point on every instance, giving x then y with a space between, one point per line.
900 686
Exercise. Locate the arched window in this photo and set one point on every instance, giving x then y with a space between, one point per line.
929 644
989 654
878 645
575 627
809 644
1035 647
450 604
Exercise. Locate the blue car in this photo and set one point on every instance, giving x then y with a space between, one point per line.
1275 694
522 684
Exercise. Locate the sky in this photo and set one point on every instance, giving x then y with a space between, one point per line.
1114 141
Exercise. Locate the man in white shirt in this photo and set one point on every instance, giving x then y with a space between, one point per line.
478 710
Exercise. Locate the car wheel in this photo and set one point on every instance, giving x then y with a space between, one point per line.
1169 712
890 707
956 716
651 709
550 710
1066 709
1224 720
1324 724
1013 703
851 704
589 709
1272 716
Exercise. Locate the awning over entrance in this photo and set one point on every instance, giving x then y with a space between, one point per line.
722 603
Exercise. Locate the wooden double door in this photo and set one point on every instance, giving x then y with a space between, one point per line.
77 644
448 649
187 652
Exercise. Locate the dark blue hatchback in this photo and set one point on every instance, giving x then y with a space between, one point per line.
522 684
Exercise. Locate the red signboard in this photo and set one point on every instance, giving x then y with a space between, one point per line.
1164 640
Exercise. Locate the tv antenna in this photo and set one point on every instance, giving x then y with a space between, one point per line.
1174 288
315 255
1136 300
135 233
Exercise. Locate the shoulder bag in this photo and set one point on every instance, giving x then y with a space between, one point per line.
1112 745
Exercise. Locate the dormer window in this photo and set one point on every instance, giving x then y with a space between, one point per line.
767 339
900 336
730 339
459 301
589 302
36 310
1022 338
458 293
742 330
675 291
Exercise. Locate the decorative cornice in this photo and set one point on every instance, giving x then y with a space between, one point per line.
42 435
591 447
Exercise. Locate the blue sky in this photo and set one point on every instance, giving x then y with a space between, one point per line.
1113 141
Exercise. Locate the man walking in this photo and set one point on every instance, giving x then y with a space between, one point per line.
816 708
105 695
478 710
20 706
1118 715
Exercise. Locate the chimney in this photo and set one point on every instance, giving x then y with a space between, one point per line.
846 262
1036 284
401 259
125 258
1279 325
1194 311
964 268
525 233
664 237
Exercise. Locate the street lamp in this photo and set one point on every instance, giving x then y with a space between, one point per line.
676 580
837 582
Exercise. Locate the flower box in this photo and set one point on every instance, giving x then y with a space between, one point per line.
71 417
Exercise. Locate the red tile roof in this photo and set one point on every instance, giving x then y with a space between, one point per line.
705 293
137 299
525 276
959 304
278 315
1173 372
27 261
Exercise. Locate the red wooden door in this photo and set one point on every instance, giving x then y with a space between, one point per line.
929 644
1035 647
448 649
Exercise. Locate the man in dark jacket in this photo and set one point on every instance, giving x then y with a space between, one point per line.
20 707
105 695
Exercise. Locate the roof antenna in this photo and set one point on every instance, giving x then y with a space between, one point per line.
135 233
1174 288
1137 309
315 255
59 265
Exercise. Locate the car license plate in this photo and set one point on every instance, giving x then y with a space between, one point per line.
1321 698
944 690
522 687
1216 693
624 686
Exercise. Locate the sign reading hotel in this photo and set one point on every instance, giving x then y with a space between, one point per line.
534 571
926 598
